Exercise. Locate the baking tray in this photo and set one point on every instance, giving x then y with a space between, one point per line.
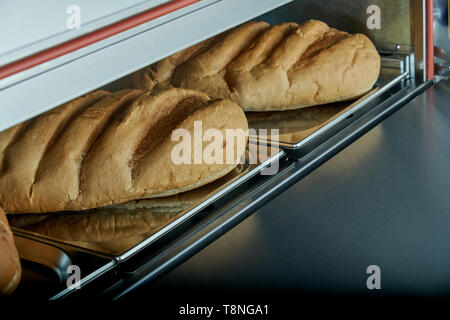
126 244
309 126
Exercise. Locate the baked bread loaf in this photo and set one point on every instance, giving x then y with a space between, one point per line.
103 149
10 269
282 67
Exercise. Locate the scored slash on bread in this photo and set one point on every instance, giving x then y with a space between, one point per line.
160 74
104 148
10 269
26 147
273 68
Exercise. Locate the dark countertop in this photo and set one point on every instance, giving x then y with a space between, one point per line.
384 200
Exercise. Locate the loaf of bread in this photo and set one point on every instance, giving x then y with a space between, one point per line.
104 148
10 269
274 68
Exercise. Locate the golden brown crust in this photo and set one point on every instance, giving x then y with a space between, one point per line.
115 150
112 151
206 67
282 67
314 65
261 48
158 75
164 69
10 269
169 178
23 154
6 137
57 177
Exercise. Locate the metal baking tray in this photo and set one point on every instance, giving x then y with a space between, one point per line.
122 248
307 126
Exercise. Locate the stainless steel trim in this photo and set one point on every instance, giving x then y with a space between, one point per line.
418 37
395 63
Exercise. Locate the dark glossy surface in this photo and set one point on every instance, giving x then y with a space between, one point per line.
384 200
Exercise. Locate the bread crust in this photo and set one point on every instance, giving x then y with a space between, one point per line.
110 151
10 269
282 67
58 176
205 70
159 75
23 153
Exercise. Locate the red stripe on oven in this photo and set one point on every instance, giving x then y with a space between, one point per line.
430 41
90 38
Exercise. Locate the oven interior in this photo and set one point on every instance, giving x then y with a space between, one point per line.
399 40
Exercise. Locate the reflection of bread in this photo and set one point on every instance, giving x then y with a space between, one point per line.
117 222
92 225
89 153
114 246
282 67
10 269
293 125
